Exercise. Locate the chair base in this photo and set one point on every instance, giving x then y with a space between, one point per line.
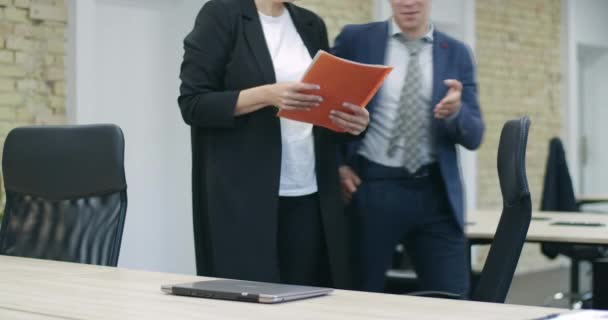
570 300
400 281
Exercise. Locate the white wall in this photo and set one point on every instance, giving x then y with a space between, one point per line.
593 66
125 57
589 21
585 25
456 18
381 9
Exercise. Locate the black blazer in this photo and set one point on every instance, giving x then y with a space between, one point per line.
236 161
558 191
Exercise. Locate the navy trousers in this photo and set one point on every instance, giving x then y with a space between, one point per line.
391 207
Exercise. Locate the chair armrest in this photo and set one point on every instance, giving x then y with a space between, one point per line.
436 294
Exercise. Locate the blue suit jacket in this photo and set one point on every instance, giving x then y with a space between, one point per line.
367 43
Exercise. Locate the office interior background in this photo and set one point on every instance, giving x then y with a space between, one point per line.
117 61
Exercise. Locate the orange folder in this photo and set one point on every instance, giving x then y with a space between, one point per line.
340 81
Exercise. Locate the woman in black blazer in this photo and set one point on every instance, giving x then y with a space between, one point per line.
250 222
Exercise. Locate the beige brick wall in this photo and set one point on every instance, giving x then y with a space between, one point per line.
518 56
337 13
32 52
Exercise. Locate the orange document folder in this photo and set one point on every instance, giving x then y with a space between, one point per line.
340 81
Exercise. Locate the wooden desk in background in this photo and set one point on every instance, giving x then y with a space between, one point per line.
39 289
591 198
481 225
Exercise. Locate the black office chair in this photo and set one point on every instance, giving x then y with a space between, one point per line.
66 195
497 274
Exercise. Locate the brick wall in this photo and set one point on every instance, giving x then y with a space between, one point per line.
337 13
32 77
518 56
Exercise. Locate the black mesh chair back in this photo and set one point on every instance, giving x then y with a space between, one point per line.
512 229
66 193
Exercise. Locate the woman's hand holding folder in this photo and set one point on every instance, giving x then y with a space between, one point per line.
346 87
354 122
289 96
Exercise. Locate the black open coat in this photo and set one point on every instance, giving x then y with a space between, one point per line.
236 161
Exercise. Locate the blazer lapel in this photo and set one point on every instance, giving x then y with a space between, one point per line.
440 57
378 41
305 28
256 40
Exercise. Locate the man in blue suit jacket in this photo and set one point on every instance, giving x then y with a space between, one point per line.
403 177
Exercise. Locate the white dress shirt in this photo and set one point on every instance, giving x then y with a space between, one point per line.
375 143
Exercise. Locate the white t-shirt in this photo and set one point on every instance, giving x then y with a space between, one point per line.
290 58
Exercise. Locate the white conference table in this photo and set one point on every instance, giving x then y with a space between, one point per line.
39 289
481 225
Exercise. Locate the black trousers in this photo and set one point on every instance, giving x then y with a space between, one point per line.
302 249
